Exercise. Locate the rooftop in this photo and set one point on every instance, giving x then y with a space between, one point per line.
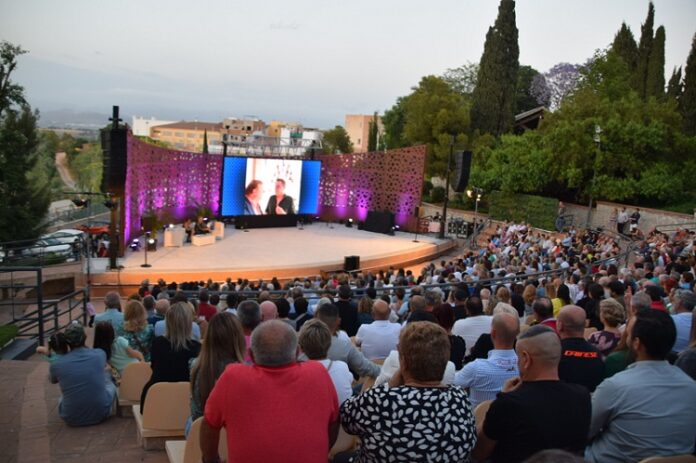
196 125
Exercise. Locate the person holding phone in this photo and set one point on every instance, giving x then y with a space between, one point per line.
280 203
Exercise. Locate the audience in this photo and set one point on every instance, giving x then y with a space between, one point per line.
649 409
118 353
112 311
474 325
136 329
172 352
87 392
315 341
347 310
260 405
380 337
612 315
414 418
687 358
283 306
484 378
205 309
445 318
302 316
536 411
543 312
249 313
223 344
683 305
161 307
269 311
581 362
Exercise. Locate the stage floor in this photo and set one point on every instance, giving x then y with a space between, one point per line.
281 252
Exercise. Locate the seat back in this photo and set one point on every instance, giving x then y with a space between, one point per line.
344 443
480 413
167 406
133 379
192 451
672 459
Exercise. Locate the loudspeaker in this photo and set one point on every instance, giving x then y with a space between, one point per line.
379 222
114 146
351 263
147 223
462 161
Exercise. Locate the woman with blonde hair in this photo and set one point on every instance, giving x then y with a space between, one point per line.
365 311
223 344
172 352
612 315
137 331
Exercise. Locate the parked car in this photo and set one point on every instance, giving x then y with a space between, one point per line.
44 246
66 236
100 229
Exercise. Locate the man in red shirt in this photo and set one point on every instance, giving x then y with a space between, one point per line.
257 404
204 308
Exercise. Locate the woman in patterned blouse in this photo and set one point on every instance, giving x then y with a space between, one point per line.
136 329
414 418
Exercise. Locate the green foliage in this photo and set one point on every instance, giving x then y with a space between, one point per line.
393 121
524 100
437 194
640 77
655 80
373 132
687 102
7 333
427 187
625 47
675 87
205 142
537 210
462 79
87 166
493 103
11 93
44 175
336 140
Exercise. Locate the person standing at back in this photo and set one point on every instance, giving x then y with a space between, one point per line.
536 411
650 408
347 310
581 362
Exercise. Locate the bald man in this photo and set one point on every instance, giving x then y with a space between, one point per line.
485 377
269 311
535 411
381 336
581 362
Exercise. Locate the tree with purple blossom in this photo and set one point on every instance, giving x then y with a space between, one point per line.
551 87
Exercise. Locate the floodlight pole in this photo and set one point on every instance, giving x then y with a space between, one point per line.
443 220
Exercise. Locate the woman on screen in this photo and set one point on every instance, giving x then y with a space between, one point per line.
279 203
252 196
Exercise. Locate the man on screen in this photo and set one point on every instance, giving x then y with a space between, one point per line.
279 203
252 196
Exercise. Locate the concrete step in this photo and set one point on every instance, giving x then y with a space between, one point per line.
19 349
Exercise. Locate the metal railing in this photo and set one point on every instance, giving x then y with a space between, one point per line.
675 226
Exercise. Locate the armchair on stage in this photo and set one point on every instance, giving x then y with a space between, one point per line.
176 236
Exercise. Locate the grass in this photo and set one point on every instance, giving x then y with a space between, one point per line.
7 333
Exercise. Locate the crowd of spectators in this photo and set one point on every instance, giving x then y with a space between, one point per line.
573 341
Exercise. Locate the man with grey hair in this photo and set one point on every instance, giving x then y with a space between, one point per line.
255 403
112 312
249 313
536 400
683 304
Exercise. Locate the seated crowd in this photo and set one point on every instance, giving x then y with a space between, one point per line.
594 359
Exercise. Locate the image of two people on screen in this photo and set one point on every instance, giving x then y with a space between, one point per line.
278 204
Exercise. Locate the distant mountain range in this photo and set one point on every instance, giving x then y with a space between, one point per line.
68 118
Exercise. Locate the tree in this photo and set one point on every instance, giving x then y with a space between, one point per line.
525 99
493 98
87 166
23 203
644 49
462 79
373 133
556 84
675 86
336 140
687 102
433 114
393 121
625 46
205 141
655 80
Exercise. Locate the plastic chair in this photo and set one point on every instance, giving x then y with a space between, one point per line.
480 413
189 451
133 379
166 411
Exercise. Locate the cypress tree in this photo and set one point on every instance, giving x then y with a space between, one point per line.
655 81
493 105
675 87
687 102
644 48
625 46
372 134
205 141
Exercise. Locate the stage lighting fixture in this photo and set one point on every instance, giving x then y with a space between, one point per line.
135 244
397 228
171 225
349 223
205 219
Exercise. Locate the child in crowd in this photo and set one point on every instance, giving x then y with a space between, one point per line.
57 346
91 311
118 352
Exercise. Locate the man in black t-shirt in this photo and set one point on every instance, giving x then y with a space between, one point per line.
460 296
536 411
347 310
581 362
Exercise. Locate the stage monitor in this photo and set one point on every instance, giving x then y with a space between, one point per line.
269 186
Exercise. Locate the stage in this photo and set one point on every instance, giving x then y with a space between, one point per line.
284 253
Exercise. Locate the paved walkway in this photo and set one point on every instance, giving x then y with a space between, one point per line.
31 430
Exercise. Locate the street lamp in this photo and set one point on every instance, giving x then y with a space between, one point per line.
477 193
598 140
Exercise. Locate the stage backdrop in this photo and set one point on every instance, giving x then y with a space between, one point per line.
161 180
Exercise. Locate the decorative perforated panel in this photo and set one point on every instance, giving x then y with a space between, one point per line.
353 184
161 179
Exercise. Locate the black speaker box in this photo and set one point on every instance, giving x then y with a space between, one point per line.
379 222
114 146
462 160
351 263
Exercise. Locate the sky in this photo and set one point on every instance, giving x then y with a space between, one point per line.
312 61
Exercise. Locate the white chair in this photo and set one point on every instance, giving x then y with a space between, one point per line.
203 240
166 410
189 451
174 237
218 230
133 379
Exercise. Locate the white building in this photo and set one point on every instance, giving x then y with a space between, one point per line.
141 126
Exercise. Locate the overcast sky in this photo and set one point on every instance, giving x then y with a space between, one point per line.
311 61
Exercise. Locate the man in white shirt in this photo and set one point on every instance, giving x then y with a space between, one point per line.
485 377
379 337
474 325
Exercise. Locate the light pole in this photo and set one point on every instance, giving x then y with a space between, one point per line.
470 193
598 140
443 221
